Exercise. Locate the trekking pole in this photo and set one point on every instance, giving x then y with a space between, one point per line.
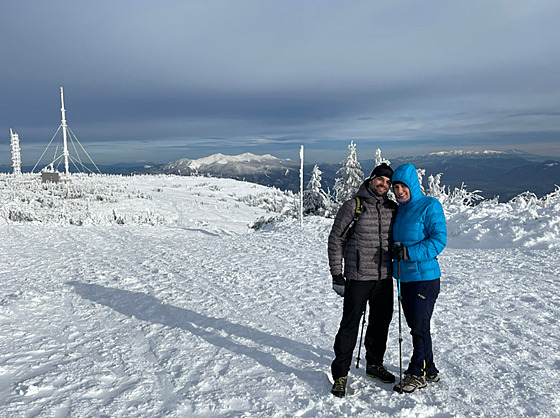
398 244
361 335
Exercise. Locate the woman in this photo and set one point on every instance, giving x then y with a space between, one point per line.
420 228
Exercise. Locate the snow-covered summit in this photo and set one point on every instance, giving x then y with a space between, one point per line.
473 153
221 159
262 169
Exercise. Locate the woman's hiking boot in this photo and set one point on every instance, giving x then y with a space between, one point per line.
410 383
432 378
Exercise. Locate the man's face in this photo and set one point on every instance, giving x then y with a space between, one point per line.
380 185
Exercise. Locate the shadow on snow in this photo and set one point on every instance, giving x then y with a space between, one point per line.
148 308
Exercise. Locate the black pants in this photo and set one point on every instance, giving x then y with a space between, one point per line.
418 300
357 294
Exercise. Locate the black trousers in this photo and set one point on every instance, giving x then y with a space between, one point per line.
418 300
357 294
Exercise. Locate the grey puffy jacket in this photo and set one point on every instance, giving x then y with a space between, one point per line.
366 247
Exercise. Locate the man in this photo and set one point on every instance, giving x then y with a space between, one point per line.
365 246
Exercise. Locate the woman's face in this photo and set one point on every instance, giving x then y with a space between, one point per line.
401 191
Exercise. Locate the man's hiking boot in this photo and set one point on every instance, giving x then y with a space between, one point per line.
339 387
432 378
410 383
379 372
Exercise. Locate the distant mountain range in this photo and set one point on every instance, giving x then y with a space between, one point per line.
494 173
261 169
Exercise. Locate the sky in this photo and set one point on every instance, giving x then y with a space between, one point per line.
156 81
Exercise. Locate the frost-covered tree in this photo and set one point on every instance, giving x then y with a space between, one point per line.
458 197
315 200
421 172
350 175
379 159
436 189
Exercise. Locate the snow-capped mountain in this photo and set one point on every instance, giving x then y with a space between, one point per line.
262 169
494 173
251 161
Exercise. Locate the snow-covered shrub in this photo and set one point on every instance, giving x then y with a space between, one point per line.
524 221
436 189
459 197
26 199
277 201
552 199
264 221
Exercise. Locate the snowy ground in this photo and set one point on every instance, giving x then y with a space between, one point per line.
197 315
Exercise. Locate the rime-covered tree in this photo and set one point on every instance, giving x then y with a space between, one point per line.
379 159
350 176
315 200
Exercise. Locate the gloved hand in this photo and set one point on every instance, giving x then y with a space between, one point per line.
400 252
339 284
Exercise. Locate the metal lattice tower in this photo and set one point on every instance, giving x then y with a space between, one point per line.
16 152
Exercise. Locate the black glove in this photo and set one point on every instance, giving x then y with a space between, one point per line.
339 284
400 252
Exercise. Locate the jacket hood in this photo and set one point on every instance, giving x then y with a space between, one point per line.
407 174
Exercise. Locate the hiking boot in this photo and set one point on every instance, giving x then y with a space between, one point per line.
432 378
410 383
380 372
339 387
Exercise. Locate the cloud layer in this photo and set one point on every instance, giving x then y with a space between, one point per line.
149 80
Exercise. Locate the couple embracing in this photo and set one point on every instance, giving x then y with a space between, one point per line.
370 237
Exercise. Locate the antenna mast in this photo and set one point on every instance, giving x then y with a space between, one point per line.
16 153
64 133
67 135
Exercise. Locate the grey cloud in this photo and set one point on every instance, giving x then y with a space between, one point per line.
320 73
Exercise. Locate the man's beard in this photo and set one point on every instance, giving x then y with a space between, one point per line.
380 191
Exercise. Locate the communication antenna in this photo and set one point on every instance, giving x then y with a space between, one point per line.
67 136
16 152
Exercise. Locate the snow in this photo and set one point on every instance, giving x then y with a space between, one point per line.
462 152
151 296
219 158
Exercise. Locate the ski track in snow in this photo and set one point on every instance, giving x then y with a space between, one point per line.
146 321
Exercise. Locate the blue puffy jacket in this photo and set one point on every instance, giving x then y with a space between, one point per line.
420 227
